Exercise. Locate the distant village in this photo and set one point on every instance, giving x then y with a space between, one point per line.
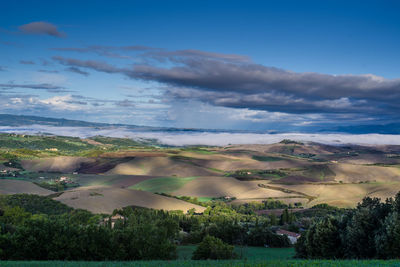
63 181
9 172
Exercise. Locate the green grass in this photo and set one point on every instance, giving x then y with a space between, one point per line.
199 151
249 253
211 263
162 185
121 142
261 253
204 199
185 252
215 170
266 158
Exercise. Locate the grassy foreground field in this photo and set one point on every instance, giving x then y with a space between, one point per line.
255 256
250 253
237 263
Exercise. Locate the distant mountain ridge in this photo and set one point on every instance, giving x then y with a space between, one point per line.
20 120
24 120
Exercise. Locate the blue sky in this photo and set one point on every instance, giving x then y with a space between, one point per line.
254 65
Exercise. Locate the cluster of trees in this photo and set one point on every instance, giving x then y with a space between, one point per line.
15 146
213 248
223 222
196 201
34 204
39 228
42 238
249 175
56 186
50 231
222 203
371 230
29 143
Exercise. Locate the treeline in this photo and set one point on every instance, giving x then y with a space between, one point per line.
39 228
15 147
371 230
29 143
34 204
44 234
230 230
244 208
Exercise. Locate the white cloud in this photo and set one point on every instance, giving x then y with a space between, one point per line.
209 138
65 102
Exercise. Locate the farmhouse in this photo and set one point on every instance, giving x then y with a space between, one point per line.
65 179
113 219
291 235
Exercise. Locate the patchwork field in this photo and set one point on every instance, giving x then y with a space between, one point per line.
106 199
162 185
159 166
215 186
289 171
8 187
55 164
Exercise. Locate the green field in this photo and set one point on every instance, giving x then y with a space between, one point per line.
199 150
204 199
251 253
251 256
162 185
266 158
209 263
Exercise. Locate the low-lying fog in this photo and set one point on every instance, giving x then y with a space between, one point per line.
182 138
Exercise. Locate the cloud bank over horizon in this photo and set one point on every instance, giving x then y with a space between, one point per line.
206 138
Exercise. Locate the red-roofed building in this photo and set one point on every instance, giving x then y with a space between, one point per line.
291 235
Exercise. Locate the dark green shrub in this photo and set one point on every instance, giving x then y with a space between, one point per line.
213 248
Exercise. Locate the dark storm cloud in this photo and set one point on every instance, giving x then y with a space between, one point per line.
217 76
235 81
90 64
43 86
41 28
27 62
177 56
76 102
151 52
77 70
